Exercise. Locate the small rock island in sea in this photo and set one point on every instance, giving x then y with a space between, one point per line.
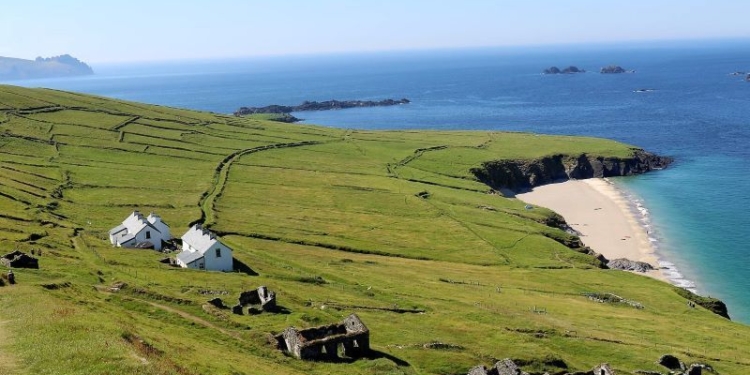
318 106
614 69
41 67
569 70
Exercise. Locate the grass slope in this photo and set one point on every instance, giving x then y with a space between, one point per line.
335 221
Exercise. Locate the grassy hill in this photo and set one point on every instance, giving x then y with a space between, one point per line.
335 221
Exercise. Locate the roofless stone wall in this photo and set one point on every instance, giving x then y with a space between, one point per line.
324 342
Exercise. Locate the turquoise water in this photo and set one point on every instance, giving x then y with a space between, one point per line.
697 210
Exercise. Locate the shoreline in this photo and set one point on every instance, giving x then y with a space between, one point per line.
606 219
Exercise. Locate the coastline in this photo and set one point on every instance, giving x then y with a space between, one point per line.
605 219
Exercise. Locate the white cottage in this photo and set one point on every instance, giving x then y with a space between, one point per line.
202 250
140 232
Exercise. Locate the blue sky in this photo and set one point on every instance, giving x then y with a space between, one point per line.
138 30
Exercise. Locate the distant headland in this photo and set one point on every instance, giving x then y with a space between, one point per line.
41 67
317 106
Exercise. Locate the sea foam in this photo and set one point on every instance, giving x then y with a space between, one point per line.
643 216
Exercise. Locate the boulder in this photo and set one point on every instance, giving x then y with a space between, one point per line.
479 370
508 367
629 265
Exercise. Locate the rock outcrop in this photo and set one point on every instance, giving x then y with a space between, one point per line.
614 69
569 70
714 305
320 106
629 265
519 175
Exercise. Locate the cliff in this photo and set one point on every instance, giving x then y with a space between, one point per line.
518 175
50 67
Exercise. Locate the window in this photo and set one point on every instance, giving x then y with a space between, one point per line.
218 253
148 234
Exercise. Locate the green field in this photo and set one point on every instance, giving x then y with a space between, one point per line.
335 221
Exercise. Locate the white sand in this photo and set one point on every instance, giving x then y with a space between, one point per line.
600 213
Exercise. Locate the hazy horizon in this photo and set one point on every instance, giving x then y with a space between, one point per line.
140 31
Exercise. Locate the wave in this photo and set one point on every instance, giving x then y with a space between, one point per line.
643 216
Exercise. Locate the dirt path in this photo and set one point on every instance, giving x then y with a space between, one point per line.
191 318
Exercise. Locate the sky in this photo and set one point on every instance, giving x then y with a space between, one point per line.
137 30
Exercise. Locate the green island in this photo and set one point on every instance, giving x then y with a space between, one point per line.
394 226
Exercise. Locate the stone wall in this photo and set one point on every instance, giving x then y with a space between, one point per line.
325 342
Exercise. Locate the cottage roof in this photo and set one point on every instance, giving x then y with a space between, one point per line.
188 257
125 237
152 218
131 226
117 229
199 238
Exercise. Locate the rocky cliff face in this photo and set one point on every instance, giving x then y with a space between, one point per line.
519 175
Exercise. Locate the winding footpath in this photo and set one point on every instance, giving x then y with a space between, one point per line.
208 200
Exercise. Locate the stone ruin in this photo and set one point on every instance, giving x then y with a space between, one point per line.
603 369
508 367
504 367
262 297
323 343
19 259
676 367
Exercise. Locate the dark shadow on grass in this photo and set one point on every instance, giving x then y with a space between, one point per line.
281 310
375 354
239 266
371 355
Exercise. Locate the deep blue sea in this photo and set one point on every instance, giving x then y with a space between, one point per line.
698 210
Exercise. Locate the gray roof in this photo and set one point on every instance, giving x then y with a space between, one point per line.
117 229
126 238
200 239
188 257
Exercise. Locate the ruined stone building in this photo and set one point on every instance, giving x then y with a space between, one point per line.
508 367
18 259
504 367
323 343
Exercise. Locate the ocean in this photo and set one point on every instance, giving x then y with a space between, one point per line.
697 211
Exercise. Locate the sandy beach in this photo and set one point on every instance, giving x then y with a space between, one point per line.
602 216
